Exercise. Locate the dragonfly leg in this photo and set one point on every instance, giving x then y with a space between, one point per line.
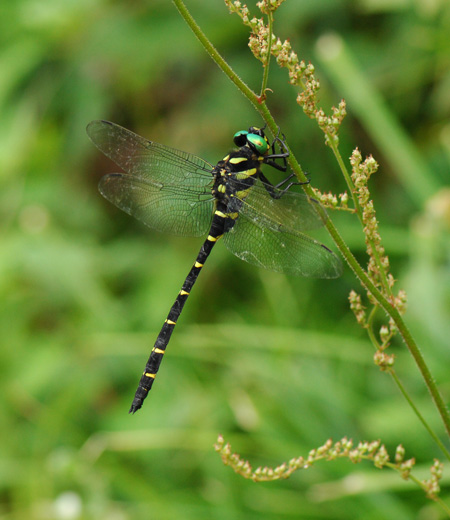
282 154
277 191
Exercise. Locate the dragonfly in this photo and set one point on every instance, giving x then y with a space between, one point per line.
178 193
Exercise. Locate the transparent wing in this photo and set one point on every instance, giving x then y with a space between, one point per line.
169 190
165 209
166 189
293 211
148 159
268 233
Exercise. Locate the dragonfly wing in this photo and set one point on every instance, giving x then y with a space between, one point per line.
147 159
267 242
166 189
293 211
168 209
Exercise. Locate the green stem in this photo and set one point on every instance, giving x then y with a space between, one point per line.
348 179
388 308
418 414
444 506
269 51
212 51
419 483
392 312
401 387
343 248
257 102
369 327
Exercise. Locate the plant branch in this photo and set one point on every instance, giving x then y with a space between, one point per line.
365 280
397 319
267 60
374 452
215 55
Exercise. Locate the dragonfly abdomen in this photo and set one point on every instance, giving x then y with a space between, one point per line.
146 382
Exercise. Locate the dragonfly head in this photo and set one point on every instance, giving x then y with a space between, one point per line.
253 138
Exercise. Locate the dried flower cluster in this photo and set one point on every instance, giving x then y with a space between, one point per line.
264 44
267 6
330 200
358 308
431 485
364 451
370 451
361 173
378 265
300 73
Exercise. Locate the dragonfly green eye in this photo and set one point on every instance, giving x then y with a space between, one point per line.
258 142
240 138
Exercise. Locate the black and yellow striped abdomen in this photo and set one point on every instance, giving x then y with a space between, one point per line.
230 187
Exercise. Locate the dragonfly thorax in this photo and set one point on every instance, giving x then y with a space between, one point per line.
235 175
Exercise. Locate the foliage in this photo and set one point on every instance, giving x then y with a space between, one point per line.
277 365
376 279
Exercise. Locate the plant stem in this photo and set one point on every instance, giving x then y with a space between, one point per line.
398 320
258 102
213 52
418 414
269 51
390 310
401 387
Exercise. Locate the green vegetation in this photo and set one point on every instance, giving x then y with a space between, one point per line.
276 365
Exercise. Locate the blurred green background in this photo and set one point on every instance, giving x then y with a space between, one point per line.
276 365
